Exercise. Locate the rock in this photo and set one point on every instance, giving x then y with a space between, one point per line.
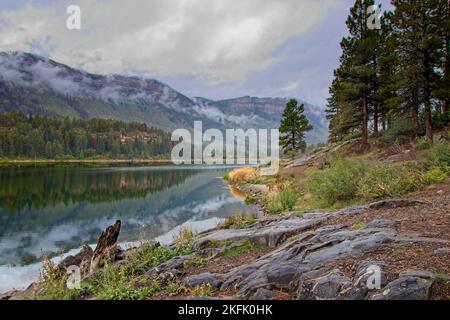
417 274
106 248
175 263
287 265
263 294
326 287
365 281
396 203
353 210
329 286
406 288
378 223
272 233
200 279
442 251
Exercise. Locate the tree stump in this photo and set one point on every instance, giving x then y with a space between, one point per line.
106 248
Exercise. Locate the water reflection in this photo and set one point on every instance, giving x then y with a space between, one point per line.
51 210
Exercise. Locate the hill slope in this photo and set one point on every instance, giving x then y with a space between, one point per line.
33 84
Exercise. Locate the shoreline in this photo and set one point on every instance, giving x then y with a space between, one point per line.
84 161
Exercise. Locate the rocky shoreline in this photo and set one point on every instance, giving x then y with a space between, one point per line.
301 259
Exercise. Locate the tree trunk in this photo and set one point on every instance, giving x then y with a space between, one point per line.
365 114
415 111
106 248
427 98
447 72
375 120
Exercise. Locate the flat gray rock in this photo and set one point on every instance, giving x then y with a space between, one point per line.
406 288
201 279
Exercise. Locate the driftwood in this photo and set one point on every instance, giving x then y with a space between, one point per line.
106 247
82 259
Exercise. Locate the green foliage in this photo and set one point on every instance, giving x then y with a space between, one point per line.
267 180
249 200
244 247
238 221
203 290
284 200
288 196
381 181
423 144
337 183
184 237
347 180
434 175
54 284
293 127
40 137
121 282
387 77
399 132
358 225
439 157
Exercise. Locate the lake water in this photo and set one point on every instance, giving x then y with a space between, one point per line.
54 210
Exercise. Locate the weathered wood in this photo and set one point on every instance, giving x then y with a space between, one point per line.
106 248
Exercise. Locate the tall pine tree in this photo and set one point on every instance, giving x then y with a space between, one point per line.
293 127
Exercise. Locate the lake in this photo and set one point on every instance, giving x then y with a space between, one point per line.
51 210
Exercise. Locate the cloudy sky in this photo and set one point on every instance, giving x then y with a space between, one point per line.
212 48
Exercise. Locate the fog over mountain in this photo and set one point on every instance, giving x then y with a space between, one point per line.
37 85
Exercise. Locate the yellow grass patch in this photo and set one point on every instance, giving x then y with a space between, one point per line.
243 174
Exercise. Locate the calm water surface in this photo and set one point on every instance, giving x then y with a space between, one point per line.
54 210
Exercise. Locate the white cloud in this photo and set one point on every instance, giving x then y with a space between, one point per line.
290 87
220 40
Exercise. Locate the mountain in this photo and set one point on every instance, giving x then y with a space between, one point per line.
37 85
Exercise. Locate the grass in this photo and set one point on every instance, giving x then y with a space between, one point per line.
55 284
249 200
284 200
118 282
238 222
242 175
266 180
338 182
358 226
346 180
184 237
440 277
203 290
244 247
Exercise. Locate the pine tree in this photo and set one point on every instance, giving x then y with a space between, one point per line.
417 27
294 125
353 97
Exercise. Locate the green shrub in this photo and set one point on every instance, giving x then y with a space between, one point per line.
273 205
423 144
54 284
439 157
249 200
383 181
434 175
339 182
399 131
288 197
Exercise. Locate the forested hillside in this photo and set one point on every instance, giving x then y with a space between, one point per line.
36 136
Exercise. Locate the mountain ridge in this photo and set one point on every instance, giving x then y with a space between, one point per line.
33 84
